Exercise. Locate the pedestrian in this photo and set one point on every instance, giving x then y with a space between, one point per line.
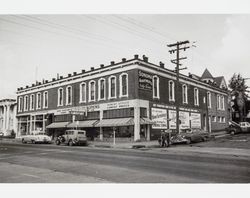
163 139
168 134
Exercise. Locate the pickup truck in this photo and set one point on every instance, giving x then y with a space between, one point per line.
234 128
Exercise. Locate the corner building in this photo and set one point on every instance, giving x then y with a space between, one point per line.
134 97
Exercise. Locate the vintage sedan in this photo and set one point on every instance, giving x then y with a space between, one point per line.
190 136
36 137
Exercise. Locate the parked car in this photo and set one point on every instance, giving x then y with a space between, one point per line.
190 136
72 137
235 128
36 137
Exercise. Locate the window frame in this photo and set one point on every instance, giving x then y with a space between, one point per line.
173 90
25 103
109 81
45 99
58 97
37 103
67 95
209 101
85 92
90 82
20 104
157 87
121 85
32 101
99 89
184 99
196 89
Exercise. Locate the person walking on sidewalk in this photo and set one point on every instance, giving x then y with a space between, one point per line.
163 139
168 134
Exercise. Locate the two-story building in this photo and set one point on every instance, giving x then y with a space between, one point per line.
135 96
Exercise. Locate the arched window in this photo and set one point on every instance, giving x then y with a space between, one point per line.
184 94
60 97
92 91
124 85
68 95
20 104
45 99
101 89
112 87
82 92
32 102
171 90
26 102
196 97
156 93
38 101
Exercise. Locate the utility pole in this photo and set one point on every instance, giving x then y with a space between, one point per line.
177 48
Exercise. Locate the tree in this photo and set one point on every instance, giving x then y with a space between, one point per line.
239 93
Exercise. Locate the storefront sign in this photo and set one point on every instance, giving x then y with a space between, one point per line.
164 106
195 120
117 105
145 81
159 117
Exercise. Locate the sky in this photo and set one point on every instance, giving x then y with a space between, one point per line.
37 47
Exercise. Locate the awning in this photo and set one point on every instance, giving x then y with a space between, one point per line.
146 121
55 125
115 122
83 124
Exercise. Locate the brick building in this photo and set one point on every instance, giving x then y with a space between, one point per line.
135 96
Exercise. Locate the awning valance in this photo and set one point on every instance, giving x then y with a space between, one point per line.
115 122
83 124
55 125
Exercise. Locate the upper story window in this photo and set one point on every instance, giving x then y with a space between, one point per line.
68 95
26 102
83 92
222 103
60 97
32 102
112 87
123 85
184 94
218 102
156 87
20 104
38 101
45 99
101 89
196 97
209 105
171 90
92 91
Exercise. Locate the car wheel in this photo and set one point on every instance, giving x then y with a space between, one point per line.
70 143
232 132
23 141
33 141
57 142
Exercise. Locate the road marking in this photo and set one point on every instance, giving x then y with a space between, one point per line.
30 175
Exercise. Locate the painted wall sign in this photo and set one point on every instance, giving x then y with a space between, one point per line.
195 120
183 117
164 106
145 81
159 117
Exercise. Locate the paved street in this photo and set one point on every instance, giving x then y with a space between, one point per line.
50 163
